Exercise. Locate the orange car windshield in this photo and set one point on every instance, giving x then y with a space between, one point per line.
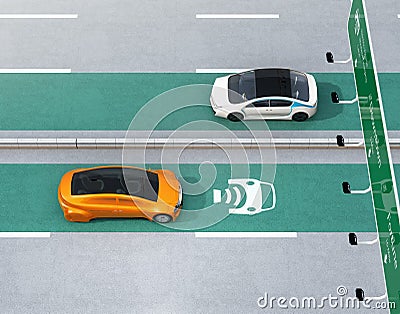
128 181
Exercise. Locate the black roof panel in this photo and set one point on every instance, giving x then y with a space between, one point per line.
128 181
273 82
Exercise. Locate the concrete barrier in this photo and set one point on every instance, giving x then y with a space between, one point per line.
119 143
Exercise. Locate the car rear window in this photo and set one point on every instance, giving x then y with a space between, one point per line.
128 181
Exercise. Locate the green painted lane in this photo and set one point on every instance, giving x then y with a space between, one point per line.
309 199
389 84
109 101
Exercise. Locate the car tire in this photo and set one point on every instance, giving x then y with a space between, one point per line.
300 116
235 117
162 218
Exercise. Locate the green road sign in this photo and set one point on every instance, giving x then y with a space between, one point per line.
380 166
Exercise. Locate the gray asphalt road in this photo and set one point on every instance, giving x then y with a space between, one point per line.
386 43
178 273
163 36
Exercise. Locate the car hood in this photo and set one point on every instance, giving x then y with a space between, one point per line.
169 188
313 90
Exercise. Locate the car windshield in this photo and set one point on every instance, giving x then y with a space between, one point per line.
242 87
299 86
128 181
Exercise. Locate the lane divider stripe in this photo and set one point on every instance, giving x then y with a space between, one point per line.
25 234
245 234
38 16
34 71
237 16
226 71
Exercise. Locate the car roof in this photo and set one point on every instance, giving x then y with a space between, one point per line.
273 82
116 180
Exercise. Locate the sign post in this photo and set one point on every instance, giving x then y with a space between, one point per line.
380 166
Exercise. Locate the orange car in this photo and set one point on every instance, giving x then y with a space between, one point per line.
120 191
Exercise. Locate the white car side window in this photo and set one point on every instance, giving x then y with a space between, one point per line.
260 103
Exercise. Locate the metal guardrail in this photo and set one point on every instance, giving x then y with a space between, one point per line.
118 143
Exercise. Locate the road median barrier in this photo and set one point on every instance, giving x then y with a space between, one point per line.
119 143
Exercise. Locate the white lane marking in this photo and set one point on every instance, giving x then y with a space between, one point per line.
245 234
237 16
38 16
24 71
25 234
398 16
221 70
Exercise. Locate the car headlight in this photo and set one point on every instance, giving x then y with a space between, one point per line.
213 103
179 200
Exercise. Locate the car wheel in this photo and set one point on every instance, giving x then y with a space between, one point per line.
235 117
300 116
162 218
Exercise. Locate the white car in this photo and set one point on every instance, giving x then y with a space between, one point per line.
265 94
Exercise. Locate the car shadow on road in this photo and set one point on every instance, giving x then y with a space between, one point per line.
195 202
326 108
